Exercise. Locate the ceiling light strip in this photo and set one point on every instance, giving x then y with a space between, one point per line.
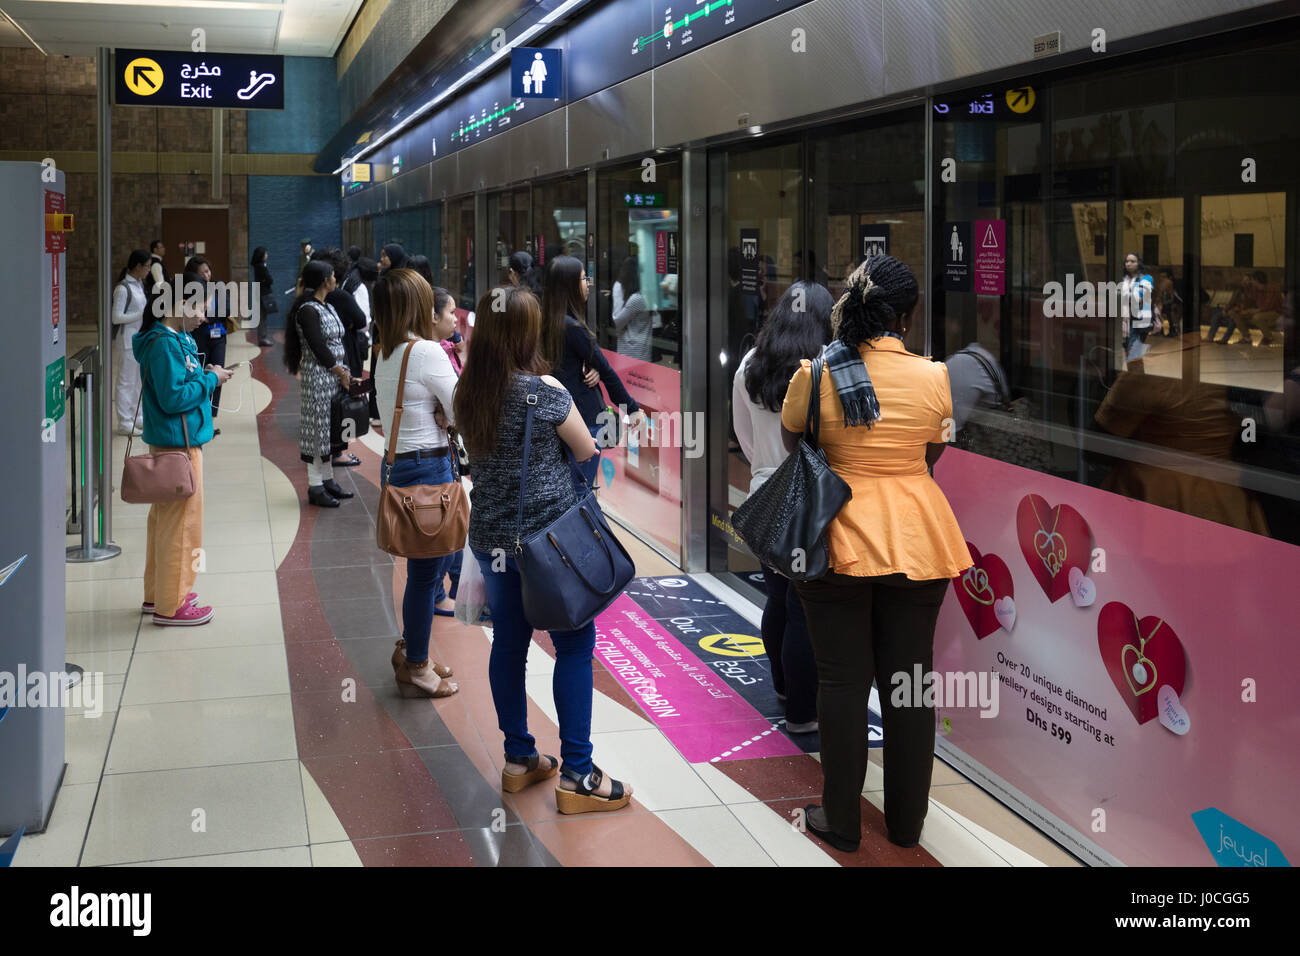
491 61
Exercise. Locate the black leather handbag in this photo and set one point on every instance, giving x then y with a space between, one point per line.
574 568
352 405
785 521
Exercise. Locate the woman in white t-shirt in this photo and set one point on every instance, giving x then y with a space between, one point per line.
129 301
797 328
632 315
402 310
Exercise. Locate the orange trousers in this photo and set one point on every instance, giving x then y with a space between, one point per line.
175 543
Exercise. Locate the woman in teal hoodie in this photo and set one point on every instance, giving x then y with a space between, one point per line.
177 400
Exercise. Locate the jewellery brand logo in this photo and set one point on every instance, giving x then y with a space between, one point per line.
1232 843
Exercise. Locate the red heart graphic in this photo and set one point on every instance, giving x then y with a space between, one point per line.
1053 540
1140 656
986 581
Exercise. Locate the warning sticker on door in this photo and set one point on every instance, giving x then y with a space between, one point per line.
990 256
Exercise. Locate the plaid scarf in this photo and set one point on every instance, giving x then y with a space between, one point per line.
849 374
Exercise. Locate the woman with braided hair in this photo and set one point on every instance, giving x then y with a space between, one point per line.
885 414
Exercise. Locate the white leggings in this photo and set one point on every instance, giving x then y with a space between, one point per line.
126 386
318 474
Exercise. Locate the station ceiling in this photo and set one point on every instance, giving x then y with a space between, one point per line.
78 27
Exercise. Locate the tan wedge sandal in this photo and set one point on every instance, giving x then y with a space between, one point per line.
399 655
537 770
421 680
585 799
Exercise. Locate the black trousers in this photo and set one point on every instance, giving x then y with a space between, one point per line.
374 405
785 638
212 350
866 629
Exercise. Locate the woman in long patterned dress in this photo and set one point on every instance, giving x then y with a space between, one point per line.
313 350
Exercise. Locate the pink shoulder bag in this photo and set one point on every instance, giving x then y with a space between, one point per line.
158 477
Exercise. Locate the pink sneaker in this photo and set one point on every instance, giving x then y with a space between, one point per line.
147 606
189 615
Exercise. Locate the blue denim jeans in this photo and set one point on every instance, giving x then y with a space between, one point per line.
591 466
572 681
424 576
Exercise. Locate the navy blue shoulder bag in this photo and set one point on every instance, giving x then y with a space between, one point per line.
574 568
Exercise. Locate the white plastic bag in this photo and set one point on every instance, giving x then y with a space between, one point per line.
471 592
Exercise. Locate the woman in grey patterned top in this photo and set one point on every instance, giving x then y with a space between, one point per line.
505 349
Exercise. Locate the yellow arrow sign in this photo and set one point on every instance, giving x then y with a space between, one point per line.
1021 99
144 76
733 645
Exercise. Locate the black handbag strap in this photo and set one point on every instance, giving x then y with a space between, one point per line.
530 402
812 424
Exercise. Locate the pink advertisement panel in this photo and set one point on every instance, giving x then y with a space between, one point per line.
641 482
1146 665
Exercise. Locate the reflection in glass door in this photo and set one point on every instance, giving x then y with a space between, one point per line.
559 220
636 257
508 215
458 251
866 194
761 241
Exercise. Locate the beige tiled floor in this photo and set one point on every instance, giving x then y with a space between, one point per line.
194 761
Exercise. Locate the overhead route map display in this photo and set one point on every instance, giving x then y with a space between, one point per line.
606 46
685 25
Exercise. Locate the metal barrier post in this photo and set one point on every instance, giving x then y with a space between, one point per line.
88 550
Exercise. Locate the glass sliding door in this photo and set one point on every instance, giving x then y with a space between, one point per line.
761 253
508 215
866 194
636 260
458 251
559 220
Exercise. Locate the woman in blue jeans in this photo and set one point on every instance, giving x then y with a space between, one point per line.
402 308
503 375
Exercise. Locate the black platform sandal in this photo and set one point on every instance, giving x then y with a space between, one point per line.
585 799
537 770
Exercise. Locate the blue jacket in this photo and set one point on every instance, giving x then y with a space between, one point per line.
175 384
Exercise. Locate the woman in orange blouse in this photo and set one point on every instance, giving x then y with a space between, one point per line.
885 414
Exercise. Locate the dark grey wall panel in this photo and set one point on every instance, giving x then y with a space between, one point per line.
411 188
484 165
756 72
538 147
618 120
933 43
443 175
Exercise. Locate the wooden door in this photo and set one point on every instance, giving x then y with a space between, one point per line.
185 230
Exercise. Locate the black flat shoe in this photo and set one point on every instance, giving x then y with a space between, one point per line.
834 839
333 488
350 462
318 496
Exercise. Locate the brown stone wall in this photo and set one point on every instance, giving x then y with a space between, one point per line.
47 108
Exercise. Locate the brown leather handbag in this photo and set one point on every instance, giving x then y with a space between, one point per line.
159 477
420 521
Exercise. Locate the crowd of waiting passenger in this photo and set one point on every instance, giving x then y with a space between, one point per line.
517 409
